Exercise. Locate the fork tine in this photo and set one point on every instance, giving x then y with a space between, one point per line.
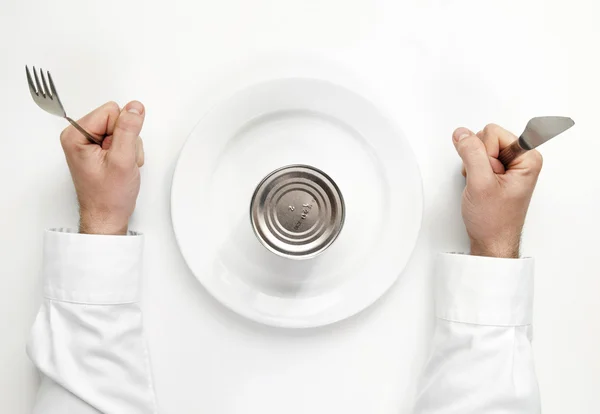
38 84
30 82
52 88
55 95
46 89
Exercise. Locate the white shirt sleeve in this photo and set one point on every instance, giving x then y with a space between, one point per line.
87 340
481 359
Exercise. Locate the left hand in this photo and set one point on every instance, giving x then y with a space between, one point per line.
107 177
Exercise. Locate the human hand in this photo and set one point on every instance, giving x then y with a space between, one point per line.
495 199
107 177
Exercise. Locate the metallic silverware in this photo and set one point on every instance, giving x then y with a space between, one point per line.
297 211
47 99
537 131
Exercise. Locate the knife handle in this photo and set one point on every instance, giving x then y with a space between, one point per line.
510 153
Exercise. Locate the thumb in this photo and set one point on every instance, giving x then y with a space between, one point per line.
127 129
474 155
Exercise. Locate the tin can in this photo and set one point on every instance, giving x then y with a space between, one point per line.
297 211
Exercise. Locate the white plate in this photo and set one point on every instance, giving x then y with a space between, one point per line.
296 121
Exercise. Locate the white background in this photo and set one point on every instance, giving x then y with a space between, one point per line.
432 65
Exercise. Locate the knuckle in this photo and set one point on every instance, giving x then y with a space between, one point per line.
537 159
67 140
64 137
140 156
496 131
492 129
112 106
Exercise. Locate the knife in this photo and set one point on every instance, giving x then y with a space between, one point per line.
537 131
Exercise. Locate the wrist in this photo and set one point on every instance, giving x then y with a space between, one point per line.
508 249
104 224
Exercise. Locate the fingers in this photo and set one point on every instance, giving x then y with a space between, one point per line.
474 155
100 122
495 138
139 152
531 163
139 149
127 129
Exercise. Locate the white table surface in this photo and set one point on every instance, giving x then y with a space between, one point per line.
433 65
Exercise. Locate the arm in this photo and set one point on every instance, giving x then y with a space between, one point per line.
481 360
87 340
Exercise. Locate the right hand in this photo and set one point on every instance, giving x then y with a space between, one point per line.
496 197
107 177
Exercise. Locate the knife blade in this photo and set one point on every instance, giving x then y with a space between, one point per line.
538 130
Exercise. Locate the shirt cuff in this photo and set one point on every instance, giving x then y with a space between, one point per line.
92 269
484 290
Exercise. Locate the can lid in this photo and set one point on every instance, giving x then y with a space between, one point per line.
297 211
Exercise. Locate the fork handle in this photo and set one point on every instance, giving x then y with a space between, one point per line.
92 139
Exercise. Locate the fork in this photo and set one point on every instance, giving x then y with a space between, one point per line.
47 99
